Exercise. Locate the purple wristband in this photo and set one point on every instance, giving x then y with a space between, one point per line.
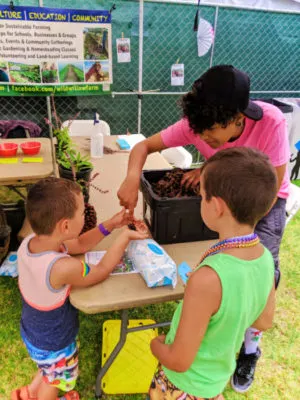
104 231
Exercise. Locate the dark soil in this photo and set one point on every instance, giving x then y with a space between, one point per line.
170 185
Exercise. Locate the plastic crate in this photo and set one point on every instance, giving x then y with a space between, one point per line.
173 220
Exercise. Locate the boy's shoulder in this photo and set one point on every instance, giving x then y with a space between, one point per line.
63 261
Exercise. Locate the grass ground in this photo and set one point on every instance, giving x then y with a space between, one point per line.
278 370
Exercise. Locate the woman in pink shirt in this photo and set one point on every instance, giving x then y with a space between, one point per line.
218 114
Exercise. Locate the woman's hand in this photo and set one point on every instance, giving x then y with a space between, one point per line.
191 178
128 194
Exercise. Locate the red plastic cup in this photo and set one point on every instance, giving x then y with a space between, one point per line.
31 148
8 149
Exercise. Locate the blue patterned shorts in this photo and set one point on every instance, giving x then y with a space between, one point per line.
59 368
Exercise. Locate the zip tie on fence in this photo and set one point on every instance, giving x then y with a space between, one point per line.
11 6
196 20
139 94
113 7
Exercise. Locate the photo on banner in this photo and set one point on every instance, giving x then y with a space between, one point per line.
51 50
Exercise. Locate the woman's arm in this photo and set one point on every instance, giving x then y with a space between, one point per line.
128 192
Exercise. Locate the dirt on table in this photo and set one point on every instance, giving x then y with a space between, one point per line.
170 185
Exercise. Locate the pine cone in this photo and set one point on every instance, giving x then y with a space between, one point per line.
90 218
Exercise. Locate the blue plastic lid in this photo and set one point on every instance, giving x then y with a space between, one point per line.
12 258
155 249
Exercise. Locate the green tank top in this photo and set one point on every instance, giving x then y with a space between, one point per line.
246 287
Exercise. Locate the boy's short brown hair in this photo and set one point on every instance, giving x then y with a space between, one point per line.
245 179
49 201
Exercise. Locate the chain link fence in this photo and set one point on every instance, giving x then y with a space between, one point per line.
265 44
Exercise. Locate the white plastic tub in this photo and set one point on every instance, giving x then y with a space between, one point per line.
84 127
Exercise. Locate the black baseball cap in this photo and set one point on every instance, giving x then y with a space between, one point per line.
228 86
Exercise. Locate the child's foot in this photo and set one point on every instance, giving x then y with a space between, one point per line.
22 394
243 376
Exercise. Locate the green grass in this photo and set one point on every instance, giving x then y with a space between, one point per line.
9 196
297 182
278 370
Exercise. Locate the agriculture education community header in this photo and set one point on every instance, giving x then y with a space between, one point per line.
44 49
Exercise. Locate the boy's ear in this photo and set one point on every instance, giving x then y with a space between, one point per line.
219 206
64 226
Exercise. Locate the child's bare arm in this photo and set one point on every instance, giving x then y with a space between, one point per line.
90 239
202 299
265 320
69 270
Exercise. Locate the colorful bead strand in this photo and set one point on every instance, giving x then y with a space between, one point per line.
231 243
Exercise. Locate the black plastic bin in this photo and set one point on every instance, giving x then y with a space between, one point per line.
173 220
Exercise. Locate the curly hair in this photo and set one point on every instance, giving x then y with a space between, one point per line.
201 115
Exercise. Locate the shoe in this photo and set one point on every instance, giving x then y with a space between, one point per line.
73 395
243 376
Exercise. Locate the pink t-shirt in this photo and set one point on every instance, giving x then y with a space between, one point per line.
268 135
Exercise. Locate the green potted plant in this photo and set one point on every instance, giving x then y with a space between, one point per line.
71 163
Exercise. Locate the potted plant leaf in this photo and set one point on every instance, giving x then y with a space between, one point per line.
71 163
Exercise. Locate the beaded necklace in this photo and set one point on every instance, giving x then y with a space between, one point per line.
235 242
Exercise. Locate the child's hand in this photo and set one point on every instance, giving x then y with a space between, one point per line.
135 235
138 225
161 338
120 219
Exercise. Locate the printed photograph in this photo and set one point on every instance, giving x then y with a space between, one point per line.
95 44
4 76
123 50
177 75
24 73
49 72
70 72
96 71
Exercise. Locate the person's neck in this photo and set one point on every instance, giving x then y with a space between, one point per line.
41 243
233 230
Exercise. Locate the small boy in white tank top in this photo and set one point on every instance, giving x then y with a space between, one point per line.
47 270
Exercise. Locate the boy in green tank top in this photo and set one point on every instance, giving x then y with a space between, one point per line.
230 290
